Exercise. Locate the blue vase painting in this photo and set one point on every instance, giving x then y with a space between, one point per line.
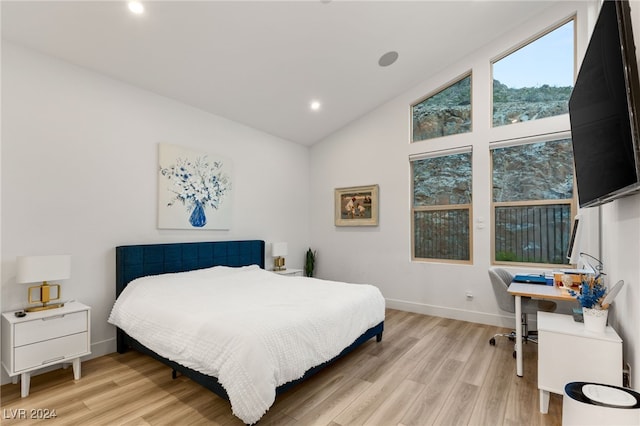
197 183
198 219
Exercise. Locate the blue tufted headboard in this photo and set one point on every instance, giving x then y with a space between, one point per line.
152 259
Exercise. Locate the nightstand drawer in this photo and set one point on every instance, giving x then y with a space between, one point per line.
50 327
50 351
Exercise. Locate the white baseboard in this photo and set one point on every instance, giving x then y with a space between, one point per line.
453 313
102 348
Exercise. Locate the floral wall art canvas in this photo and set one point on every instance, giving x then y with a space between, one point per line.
194 189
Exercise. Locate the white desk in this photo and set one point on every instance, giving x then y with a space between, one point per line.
535 291
569 353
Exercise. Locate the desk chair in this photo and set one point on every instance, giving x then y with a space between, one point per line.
500 280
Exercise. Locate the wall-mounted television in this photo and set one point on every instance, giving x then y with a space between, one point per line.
603 109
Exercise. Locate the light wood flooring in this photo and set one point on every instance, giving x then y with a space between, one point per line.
426 371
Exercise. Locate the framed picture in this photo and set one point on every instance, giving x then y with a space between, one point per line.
356 206
194 189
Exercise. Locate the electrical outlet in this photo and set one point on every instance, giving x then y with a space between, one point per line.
626 376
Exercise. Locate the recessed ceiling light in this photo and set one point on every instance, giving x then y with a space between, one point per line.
136 7
388 58
315 105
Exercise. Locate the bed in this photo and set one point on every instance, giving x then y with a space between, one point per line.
236 266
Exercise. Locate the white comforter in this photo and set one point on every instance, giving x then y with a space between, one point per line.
252 329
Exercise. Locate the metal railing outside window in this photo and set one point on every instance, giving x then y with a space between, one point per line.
532 234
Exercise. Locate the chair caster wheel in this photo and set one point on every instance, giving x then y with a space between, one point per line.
512 338
492 341
514 354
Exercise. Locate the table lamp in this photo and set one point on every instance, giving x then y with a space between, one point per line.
31 269
278 251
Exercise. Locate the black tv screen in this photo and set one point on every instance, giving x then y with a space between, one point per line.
602 110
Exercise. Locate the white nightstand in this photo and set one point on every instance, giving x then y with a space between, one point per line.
45 338
291 272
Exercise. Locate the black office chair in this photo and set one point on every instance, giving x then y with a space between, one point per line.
500 280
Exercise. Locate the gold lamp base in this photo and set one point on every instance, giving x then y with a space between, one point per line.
44 307
45 297
278 264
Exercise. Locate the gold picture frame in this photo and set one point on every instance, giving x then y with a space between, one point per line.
356 206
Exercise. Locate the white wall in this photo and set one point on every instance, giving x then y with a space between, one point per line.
375 150
79 176
621 257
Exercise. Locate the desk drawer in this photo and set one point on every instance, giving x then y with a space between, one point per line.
50 328
51 351
562 359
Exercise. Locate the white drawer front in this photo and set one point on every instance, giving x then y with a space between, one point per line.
48 328
51 351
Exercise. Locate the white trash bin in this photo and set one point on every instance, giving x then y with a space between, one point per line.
586 404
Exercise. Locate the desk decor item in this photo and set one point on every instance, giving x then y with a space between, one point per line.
356 206
31 269
595 319
595 302
194 189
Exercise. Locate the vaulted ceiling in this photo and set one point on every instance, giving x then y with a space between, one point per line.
261 63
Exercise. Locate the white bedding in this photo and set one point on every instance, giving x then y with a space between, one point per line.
252 329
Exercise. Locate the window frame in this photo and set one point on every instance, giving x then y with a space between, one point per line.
543 130
442 207
443 87
521 45
572 202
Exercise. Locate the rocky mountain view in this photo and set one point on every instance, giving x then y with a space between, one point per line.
512 105
449 111
445 113
537 171
442 180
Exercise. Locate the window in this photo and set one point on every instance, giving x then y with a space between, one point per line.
533 202
535 81
448 112
532 178
441 211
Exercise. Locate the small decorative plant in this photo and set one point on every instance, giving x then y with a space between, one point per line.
310 263
592 293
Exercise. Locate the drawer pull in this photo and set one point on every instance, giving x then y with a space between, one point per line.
53 318
53 359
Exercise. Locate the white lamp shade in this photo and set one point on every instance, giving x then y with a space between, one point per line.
278 249
31 269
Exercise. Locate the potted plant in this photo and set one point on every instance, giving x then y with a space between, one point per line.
595 302
310 263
